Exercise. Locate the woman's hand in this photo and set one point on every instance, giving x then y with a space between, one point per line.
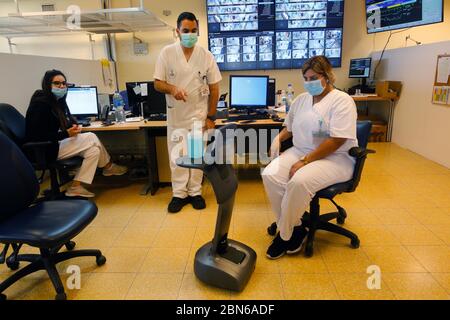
296 166
209 124
274 150
74 131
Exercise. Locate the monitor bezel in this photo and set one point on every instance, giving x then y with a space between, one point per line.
398 28
359 77
85 115
240 106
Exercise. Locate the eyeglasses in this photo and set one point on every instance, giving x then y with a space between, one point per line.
59 83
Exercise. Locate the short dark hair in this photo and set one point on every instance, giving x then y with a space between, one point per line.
186 16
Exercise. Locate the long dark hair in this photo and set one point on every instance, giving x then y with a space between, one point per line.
59 106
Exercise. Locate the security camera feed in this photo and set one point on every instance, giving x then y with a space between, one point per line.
385 15
274 34
360 68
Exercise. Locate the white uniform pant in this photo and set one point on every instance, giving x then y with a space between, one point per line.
185 182
89 147
290 198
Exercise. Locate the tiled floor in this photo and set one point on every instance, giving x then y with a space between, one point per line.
400 211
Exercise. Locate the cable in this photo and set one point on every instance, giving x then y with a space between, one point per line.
382 52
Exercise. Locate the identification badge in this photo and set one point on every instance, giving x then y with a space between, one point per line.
204 90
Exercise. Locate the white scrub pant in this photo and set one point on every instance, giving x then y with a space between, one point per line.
185 182
290 198
89 147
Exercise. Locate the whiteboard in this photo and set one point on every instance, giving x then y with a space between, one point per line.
21 75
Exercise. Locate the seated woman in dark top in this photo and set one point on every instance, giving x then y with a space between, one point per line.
48 119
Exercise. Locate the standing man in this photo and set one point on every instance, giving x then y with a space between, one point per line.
189 76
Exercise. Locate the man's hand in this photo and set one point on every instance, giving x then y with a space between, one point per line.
74 131
209 124
296 166
179 94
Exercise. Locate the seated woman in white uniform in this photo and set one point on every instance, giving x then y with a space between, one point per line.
322 123
48 119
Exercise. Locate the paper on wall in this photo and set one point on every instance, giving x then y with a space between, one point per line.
443 70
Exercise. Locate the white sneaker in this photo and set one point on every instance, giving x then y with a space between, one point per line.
115 170
79 191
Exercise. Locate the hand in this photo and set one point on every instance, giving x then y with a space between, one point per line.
74 130
274 150
179 94
296 166
209 124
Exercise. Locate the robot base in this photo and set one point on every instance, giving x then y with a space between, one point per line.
230 270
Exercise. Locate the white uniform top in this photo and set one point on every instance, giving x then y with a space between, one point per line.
173 68
334 116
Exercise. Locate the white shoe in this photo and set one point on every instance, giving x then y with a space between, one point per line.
115 170
79 191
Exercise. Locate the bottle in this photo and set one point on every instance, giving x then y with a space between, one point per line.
283 97
118 106
289 97
195 140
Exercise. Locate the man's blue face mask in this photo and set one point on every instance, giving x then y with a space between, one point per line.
59 92
188 40
314 87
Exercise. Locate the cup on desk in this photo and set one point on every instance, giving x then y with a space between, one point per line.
357 92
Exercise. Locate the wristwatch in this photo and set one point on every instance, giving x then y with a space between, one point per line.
304 160
212 118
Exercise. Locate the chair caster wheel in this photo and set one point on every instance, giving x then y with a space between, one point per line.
272 229
101 260
70 245
342 215
355 243
3 297
309 250
61 296
13 265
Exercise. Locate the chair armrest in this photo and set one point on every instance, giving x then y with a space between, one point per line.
39 149
359 153
40 144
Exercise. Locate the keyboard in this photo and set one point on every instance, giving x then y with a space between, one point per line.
84 123
157 117
133 119
240 117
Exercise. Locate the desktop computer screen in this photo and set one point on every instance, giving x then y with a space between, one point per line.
248 91
360 68
82 101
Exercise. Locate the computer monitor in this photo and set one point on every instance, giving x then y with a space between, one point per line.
82 101
143 92
248 92
360 68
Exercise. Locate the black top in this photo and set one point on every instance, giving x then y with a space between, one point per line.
43 122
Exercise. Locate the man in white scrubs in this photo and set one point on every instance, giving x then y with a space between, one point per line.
189 76
322 123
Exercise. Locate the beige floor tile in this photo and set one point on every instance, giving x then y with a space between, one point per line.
309 287
165 260
174 238
344 260
202 236
414 235
260 221
97 237
193 289
299 263
160 286
415 286
396 216
126 260
393 259
261 287
253 237
113 218
148 219
355 287
136 237
187 218
433 258
375 235
263 264
443 279
106 286
440 231
431 216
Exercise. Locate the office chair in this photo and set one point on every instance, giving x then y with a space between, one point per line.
12 123
47 225
313 220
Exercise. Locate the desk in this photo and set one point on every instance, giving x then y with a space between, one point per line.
391 103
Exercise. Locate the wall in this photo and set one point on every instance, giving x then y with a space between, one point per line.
419 125
68 46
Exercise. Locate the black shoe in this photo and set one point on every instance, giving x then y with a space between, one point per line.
278 248
296 242
198 202
176 204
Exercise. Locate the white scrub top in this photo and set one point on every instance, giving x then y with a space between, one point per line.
173 68
334 116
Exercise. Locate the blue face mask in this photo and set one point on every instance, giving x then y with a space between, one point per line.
59 92
314 87
188 40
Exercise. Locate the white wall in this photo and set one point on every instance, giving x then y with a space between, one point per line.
419 125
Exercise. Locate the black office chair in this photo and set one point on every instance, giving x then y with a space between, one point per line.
12 123
313 220
47 225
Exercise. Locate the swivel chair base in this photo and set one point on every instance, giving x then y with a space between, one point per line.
229 270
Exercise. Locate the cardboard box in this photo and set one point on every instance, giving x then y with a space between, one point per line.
389 89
